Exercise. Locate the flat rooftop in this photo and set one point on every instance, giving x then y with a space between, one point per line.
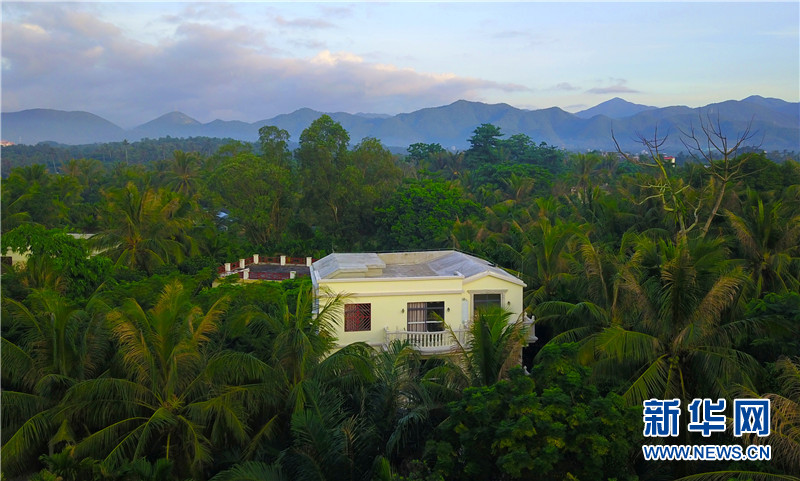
447 263
300 270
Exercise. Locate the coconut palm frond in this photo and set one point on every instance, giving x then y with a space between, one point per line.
251 471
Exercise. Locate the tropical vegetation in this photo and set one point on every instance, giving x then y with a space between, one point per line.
125 357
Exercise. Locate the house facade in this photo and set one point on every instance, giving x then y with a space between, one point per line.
412 296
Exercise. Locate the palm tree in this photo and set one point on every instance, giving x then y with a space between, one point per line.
251 471
493 347
404 402
328 442
468 236
545 258
598 292
585 171
63 466
145 228
448 163
770 240
56 345
785 405
41 273
518 187
673 341
303 339
25 196
300 341
183 174
88 172
172 402
784 437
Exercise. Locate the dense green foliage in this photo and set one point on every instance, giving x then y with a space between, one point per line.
144 151
122 359
550 425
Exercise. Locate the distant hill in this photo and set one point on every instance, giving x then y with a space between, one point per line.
615 108
174 124
37 125
791 109
776 122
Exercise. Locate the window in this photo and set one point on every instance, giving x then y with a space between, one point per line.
357 317
481 301
426 316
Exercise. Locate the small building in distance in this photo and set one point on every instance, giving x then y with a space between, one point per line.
412 295
263 268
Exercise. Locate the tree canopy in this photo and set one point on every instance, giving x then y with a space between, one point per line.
124 356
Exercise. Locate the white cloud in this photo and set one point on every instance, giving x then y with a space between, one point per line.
35 29
313 23
332 59
566 86
132 62
617 87
72 60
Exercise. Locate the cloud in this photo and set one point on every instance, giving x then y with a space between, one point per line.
336 11
566 86
522 37
70 59
308 43
33 29
618 87
303 22
200 11
332 59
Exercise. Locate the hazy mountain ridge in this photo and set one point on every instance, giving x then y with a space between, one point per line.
38 125
615 108
776 123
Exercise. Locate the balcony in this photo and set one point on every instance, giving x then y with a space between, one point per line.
442 342
436 342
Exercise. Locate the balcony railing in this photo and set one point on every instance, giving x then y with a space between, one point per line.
439 342
430 342
236 266
530 327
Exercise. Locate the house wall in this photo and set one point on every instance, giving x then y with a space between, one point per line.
16 257
389 299
511 293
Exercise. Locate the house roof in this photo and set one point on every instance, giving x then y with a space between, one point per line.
405 265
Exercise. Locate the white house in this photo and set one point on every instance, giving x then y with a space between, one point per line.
409 295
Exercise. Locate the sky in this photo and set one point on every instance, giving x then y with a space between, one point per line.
134 61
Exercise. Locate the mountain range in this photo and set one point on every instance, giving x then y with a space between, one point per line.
775 122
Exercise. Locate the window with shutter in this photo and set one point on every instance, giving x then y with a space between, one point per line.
357 317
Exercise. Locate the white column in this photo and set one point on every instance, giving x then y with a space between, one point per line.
255 258
246 274
227 267
308 261
283 260
241 263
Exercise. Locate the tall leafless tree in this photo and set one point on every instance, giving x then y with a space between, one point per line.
718 155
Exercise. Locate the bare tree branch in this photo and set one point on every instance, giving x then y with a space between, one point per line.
719 159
